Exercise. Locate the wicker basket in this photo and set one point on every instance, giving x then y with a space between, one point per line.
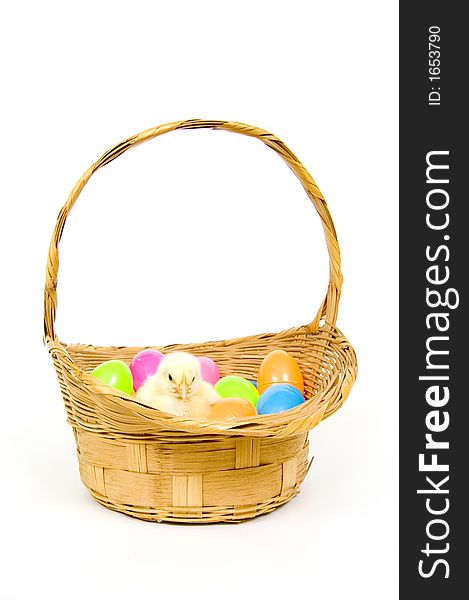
158 467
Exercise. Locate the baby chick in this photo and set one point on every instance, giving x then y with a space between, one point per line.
177 388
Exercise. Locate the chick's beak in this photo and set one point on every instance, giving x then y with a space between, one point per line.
182 389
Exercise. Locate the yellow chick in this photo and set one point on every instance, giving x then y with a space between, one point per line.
178 388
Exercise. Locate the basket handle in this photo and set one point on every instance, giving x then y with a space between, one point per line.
329 306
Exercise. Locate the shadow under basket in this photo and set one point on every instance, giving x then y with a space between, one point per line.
159 467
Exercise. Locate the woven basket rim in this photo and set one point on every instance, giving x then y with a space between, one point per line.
301 418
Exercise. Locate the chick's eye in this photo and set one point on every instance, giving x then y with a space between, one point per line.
193 379
170 377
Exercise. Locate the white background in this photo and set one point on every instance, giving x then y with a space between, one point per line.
198 235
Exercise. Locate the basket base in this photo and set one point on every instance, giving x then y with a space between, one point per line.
202 481
205 517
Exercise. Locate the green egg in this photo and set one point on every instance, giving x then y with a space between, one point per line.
116 374
233 386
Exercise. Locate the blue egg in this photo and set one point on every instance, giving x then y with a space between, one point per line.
254 382
279 397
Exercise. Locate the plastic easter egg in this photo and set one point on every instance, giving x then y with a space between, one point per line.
116 374
279 397
144 364
279 367
233 386
230 409
208 369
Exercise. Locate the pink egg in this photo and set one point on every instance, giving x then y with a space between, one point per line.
208 369
144 364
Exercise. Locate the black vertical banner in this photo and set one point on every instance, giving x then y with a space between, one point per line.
434 267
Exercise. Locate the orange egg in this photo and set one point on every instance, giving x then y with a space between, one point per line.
229 409
279 367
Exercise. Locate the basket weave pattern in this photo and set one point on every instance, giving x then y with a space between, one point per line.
159 467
